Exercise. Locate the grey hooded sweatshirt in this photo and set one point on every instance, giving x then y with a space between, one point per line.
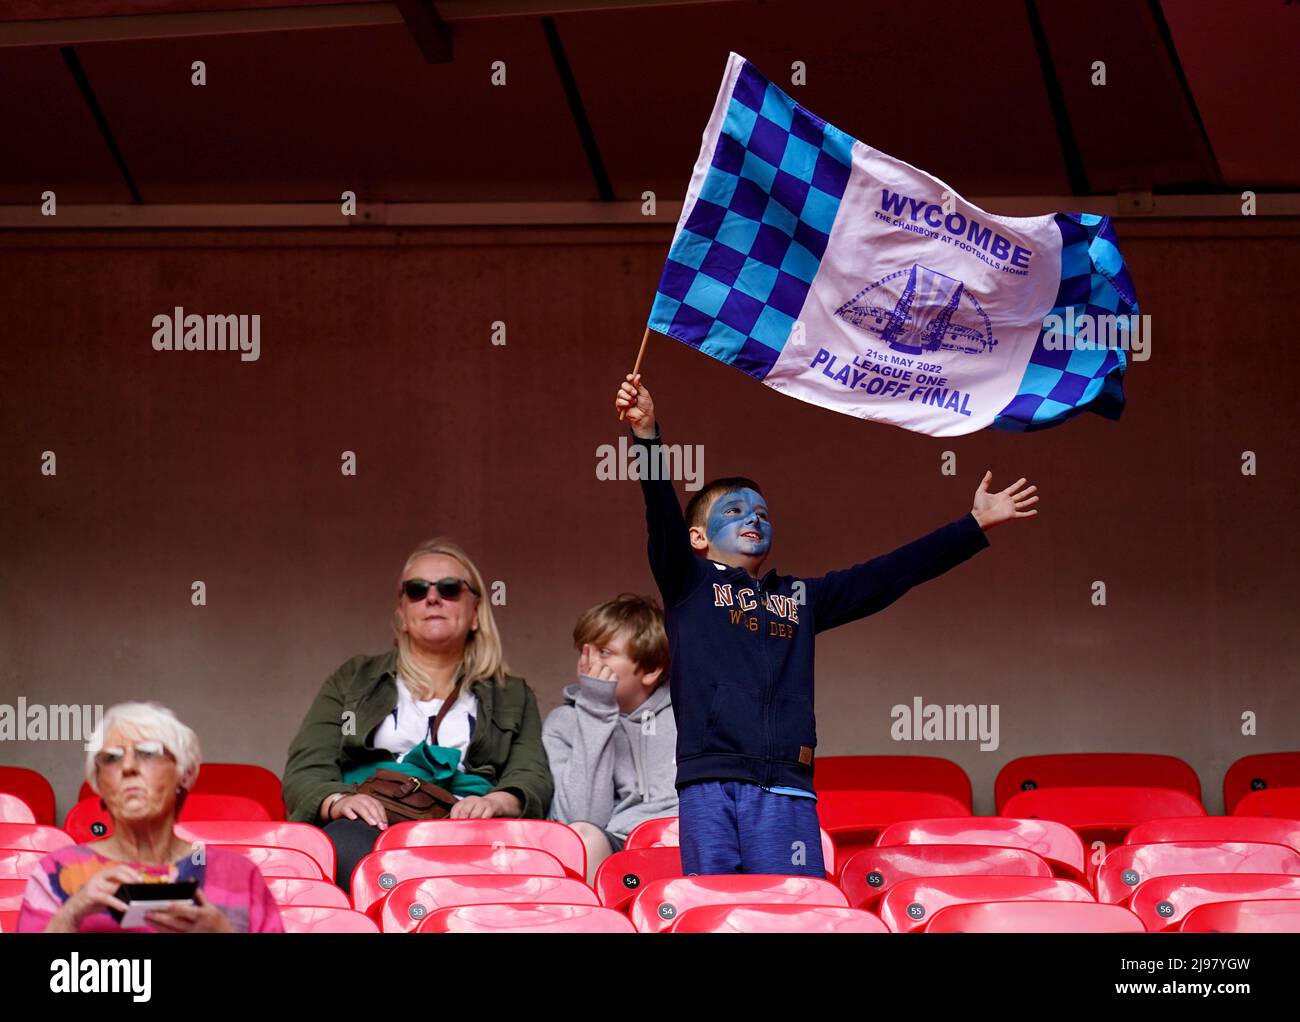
612 769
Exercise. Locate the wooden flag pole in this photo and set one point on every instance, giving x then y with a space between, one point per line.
645 338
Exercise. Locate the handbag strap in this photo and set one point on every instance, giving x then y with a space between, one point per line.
442 712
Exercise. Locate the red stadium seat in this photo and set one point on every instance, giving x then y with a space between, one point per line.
11 894
1093 769
1054 842
14 810
1250 773
561 841
859 816
657 833
272 861
854 819
523 918
8 922
873 871
86 821
1102 816
662 833
242 779
1284 802
1034 917
379 872
907 908
1102 813
411 901
771 918
1128 865
319 919
1162 902
32 788
304 891
1278 831
304 837
36 836
660 902
621 875
17 863
1276 915
892 773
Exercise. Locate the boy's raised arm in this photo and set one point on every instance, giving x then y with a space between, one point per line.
672 560
839 597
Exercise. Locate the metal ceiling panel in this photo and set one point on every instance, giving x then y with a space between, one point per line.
1241 64
301 116
952 87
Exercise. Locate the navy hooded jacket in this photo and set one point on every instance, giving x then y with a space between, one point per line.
742 648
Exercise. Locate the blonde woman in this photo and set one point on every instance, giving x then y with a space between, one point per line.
380 711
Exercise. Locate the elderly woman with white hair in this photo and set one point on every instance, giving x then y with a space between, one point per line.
142 762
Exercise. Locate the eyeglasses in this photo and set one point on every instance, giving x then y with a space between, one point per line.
417 589
146 754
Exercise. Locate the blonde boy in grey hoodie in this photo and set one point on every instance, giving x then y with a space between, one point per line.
612 746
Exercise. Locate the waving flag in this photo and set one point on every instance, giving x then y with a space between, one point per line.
842 276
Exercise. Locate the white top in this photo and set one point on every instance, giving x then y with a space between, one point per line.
411 722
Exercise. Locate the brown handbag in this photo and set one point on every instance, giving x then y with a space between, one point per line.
408 798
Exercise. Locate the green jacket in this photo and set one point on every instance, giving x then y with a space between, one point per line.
506 747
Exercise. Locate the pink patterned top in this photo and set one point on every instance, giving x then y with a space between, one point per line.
227 879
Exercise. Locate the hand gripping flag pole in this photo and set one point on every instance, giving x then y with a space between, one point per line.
645 338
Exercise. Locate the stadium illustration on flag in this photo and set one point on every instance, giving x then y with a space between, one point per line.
844 277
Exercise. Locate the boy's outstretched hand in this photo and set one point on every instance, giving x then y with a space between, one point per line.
635 407
995 508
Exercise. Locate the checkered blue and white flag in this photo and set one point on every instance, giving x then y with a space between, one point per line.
844 277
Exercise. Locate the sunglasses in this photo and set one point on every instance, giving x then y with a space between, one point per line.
146 753
417 589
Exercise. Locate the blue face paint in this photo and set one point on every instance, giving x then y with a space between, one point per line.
733 520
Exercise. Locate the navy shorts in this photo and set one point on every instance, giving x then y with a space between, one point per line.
737 827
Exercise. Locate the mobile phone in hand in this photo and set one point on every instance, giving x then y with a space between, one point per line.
143 898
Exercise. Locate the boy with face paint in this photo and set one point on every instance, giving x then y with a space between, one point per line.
742 647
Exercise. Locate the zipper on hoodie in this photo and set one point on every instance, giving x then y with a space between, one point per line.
767 668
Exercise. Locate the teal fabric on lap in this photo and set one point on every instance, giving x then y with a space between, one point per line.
434 763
